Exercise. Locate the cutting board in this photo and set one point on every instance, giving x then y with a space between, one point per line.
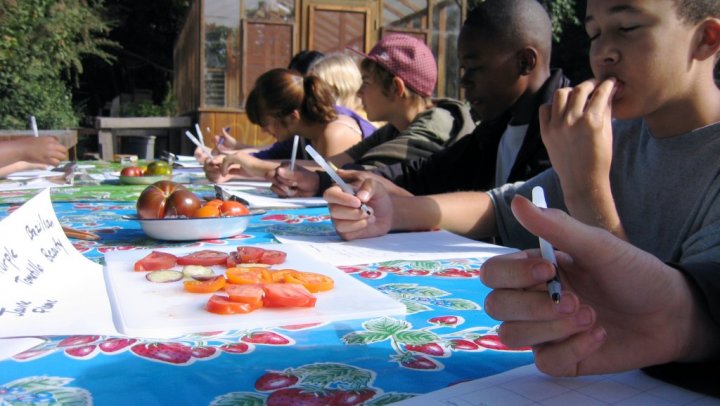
165 310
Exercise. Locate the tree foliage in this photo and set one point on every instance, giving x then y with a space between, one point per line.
42 45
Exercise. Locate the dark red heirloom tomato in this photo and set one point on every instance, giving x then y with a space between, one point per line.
166 198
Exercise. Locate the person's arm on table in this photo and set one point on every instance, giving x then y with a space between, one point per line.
467 213
621 307
34 150
241 163
577 132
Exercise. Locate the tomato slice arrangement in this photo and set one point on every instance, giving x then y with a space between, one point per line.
249 281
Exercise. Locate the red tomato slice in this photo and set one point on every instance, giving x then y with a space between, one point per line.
221 304
251 294
314 282
204 258
273 257
156 261
287 295
232 259
208 286
250 255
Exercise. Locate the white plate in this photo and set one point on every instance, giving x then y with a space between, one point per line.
145 309
143 180
190 229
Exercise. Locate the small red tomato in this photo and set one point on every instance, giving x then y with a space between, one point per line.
132 171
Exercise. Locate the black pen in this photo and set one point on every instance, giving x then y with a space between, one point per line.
553 285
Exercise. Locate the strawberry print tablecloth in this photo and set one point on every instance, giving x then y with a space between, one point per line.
445 338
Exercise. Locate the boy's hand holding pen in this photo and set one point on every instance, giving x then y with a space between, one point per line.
335 177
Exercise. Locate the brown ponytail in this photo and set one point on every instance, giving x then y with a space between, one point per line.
319 102
278 92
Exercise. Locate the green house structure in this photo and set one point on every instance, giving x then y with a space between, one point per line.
225 45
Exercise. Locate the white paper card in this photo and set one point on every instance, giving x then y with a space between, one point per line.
260 201
420 246
46 286
528 386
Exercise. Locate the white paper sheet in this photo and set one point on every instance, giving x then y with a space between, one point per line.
46 286
427 245
13 346
528 386
261 198
34 183
36 173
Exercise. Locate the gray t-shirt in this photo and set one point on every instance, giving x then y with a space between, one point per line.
666 190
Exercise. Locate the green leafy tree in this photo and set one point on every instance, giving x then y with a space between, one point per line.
42 44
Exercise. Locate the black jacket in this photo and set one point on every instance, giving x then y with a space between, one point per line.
470 163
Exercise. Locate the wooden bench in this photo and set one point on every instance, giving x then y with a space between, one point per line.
110 129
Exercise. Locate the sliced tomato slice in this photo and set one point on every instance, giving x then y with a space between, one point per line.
250 255
251 294
208 286
156 261
232 259
204 258
287 295
314 282
243 276
221 304
280 275
273 257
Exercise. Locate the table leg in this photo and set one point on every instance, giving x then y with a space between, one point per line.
107 145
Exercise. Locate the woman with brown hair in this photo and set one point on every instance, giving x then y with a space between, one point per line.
285 103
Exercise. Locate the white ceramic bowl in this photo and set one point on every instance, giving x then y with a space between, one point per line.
188 229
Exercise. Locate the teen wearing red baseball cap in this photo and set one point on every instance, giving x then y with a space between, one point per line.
399 76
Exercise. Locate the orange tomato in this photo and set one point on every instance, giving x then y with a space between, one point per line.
250 275
233 208
208 286
207 211
214 202
314 282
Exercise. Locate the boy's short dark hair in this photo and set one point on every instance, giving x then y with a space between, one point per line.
694 11
513 23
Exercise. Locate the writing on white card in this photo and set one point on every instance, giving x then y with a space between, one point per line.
46 286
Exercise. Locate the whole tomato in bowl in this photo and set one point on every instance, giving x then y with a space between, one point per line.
166 199
132 171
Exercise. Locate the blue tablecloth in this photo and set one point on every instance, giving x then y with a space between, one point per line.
445 338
